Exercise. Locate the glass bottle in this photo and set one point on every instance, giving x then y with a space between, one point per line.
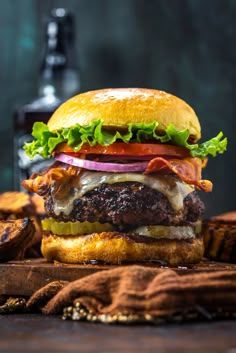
59 80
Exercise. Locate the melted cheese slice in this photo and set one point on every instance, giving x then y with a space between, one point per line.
175 190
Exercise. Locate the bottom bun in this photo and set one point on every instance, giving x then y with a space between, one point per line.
117 248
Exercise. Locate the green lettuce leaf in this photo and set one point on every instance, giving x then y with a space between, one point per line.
45 141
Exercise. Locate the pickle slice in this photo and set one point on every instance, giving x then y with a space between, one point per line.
171 232
73 228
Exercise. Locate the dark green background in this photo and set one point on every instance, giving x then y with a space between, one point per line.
186 47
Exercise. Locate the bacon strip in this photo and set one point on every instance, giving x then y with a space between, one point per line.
41 183
63 175
188 169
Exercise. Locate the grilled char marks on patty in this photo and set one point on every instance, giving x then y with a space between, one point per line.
127 205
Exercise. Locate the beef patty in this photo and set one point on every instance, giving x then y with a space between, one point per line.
127 205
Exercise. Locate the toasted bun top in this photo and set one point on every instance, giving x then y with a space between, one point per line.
118 107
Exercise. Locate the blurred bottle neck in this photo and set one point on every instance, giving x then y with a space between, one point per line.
59 74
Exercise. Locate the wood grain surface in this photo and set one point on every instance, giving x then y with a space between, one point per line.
25 277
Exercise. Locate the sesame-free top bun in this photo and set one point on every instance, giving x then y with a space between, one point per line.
118 107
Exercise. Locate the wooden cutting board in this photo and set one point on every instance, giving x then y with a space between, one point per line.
25 277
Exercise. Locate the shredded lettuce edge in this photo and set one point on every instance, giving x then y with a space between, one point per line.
45 141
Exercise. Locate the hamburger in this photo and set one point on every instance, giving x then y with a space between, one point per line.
123 187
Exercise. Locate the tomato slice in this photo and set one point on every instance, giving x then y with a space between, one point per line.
131 149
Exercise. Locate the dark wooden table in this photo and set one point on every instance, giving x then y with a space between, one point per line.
38 333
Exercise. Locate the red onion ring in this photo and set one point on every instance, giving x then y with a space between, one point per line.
105 167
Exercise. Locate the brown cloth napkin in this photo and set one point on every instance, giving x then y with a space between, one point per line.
139 293
134 294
